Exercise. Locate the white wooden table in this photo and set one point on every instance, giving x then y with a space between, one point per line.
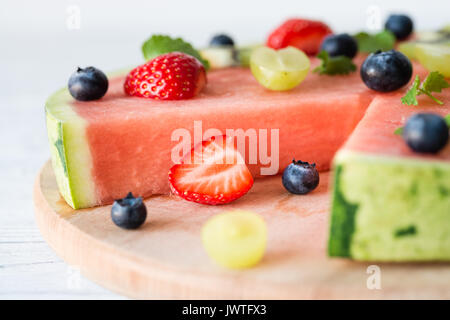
29 269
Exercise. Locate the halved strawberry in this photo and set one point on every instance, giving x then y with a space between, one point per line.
214 172
306 35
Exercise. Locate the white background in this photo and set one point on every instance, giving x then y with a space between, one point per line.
38 52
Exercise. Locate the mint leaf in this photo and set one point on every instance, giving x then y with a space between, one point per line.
434 82
399 131
160 44
447 119
410 98
369 43
334 65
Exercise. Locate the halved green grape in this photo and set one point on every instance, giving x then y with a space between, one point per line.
244 53
408 48
219 57
235 239
279 70
432 38
228 56
434 57
446 28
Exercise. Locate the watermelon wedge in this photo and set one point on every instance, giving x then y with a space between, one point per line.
389 203
103 149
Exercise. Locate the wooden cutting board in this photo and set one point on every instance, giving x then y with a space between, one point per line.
165 257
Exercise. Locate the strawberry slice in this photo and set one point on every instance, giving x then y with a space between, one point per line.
306 35
213 173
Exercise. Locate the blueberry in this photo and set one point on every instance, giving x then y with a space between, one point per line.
386 71
88 84
426 133
400 25
129 212
340 45
300 177
221 40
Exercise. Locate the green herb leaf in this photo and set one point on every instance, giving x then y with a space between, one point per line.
434 82
334 65
399 131
160 44
410 98
369 43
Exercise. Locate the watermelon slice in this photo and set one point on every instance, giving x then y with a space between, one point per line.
389 203
101 150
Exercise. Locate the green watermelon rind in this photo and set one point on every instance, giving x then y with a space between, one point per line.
342 223
389 208
65 132
69 148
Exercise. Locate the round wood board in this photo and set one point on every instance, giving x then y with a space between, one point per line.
164 259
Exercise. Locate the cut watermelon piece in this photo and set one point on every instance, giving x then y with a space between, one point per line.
389 203
103 149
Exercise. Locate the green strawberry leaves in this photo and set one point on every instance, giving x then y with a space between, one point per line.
160 44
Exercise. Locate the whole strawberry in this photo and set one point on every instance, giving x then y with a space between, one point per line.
171 76
306 35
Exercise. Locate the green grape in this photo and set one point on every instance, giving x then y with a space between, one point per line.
431 38
434 57
279 70
446 28
244 53
408 48
219 57
235 239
